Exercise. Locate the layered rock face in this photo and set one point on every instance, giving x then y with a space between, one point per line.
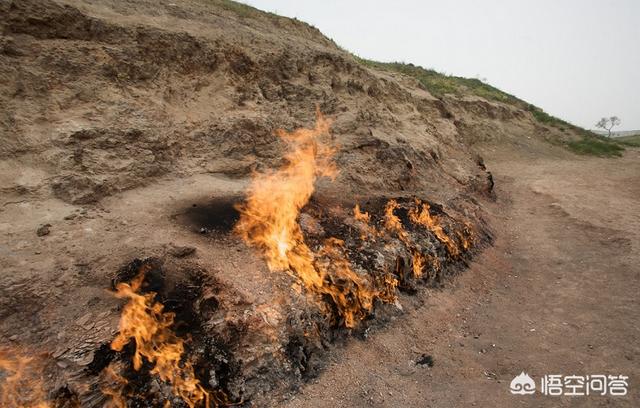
132 129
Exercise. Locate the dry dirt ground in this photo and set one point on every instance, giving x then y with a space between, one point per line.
121 121
557 294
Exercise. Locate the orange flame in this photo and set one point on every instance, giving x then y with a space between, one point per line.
424 218
361 216
393 223
269 217
115 389
144 322
418 264
367 231
269 221
21 385
466 236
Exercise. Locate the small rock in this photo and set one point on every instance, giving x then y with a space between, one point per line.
425 359
43 230
181 251
84 319
407 371
85 360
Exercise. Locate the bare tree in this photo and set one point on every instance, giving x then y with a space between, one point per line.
608 123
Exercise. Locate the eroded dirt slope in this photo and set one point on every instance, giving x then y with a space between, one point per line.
129 130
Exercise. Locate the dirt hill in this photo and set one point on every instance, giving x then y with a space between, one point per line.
130 132
101 99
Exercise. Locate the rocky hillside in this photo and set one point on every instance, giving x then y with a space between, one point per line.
102 98
131 129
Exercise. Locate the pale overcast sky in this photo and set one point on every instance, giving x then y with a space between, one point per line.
577 59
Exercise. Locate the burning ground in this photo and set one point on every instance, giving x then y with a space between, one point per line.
188 343
164 244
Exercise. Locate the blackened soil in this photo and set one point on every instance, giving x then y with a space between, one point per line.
215 215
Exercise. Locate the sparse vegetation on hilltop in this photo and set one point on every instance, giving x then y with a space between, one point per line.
439 84
240 9
596 145
632 140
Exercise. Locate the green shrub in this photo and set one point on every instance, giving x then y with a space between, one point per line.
439 84
633 141
596 146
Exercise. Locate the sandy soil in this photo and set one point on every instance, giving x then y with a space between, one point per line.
121 120
557 294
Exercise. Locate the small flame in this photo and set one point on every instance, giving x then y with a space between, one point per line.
361 216
367 231
423 217
393 223
115 389
21 385
418 264
466 236
144 322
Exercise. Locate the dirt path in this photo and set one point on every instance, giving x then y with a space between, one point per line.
557 294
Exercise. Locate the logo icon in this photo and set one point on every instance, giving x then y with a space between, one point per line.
522 384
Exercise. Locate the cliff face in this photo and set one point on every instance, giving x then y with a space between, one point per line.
103 98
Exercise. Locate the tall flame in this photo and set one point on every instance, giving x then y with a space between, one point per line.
144 322
269 222
269 217
21 381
